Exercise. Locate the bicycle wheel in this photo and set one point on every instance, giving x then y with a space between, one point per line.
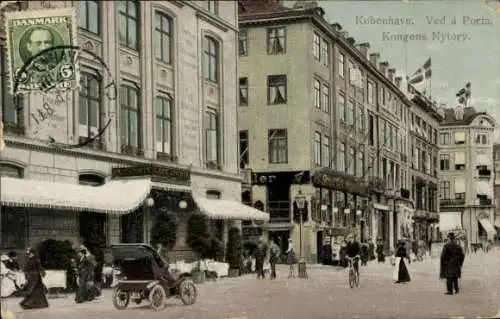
351 278
356 279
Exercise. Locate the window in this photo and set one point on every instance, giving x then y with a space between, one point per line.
276 41
211 6
213 194
244 148
327 161
212 137
341 108
460 188
8 170
129 116
482 139
341 158
460 161
317 148
459 137
90 105
89 13
326 99
317 94
91 180
361 119
325 52
164 126
243 91
341 64
351 113
351 163
276 89
278 146
444 138
210 59
10 113
352 73
360 163
444 162
370 93
444 190
317 46
371 129
128 23
243 42
163 37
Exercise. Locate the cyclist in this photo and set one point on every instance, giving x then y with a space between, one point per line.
352 251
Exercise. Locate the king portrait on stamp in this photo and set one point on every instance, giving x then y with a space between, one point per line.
33 39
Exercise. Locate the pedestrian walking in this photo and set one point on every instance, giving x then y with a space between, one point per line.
291 259
371 249
260 255
364 253
85 274
274 253
34 289
401 274
380 251
420 250
452 259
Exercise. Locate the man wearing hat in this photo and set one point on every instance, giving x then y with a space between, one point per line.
452 259
85 271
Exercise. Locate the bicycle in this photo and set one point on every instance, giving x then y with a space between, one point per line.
353 274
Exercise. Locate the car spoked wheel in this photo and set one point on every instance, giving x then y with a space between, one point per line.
121 299
157 297
188 292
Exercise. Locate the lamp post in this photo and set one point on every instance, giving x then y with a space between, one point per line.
149 202
301 202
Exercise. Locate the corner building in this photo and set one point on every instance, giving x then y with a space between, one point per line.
326 120
172 139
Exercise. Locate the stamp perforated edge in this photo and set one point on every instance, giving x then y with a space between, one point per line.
39 13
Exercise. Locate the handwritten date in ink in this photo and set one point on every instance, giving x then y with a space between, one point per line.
46 111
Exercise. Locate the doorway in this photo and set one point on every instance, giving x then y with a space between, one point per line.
319 246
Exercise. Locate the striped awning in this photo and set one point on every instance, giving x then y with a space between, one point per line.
117 196
229 209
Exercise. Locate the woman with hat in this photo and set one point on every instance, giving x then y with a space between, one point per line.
401 274
291 258
34 289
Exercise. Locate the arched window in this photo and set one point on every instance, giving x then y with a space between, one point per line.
213 194
11 171
91 180
210 59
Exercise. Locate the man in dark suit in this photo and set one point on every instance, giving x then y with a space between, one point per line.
85 274
452 259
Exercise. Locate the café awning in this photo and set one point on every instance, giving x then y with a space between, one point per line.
229 209
116 197
450 221
488 227
483 160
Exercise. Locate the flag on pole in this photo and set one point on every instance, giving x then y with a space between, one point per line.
463 95
423 73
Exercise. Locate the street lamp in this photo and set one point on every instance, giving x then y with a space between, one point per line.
149 202
301 203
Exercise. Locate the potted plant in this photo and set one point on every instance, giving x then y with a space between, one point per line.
233 252
164 231
198 239
57 255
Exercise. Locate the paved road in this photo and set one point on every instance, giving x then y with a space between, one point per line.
324 295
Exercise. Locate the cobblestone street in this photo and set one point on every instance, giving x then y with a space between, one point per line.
324 295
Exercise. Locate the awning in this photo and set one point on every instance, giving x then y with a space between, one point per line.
450 221
488 227
484 189
118 196
459 185
171 187
483 160
229 209
497 223
380 206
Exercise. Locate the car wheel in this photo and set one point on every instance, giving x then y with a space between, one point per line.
157 297
188 292
121 299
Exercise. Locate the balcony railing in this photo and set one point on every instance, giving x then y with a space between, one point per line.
279 212
452 202
484 172
246 175
485 201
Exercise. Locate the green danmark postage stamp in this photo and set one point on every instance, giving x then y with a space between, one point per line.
38 47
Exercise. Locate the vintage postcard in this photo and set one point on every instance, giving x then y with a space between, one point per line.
39 53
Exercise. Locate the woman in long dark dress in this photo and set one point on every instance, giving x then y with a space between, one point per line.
400 269
380 252
34 289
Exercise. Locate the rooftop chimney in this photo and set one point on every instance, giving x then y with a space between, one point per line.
383 66
397 81
374 57
337 27
459 113
363 48
345 34
390 74
351 40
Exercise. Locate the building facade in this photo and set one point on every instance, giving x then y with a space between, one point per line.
327 121
496 154
466 174
174 65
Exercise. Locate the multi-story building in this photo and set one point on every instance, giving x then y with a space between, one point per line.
424 127
326 123
496 154
174 64
466 174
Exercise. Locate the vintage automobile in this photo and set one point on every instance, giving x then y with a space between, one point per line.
144 275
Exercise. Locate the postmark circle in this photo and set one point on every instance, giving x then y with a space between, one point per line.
51 86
